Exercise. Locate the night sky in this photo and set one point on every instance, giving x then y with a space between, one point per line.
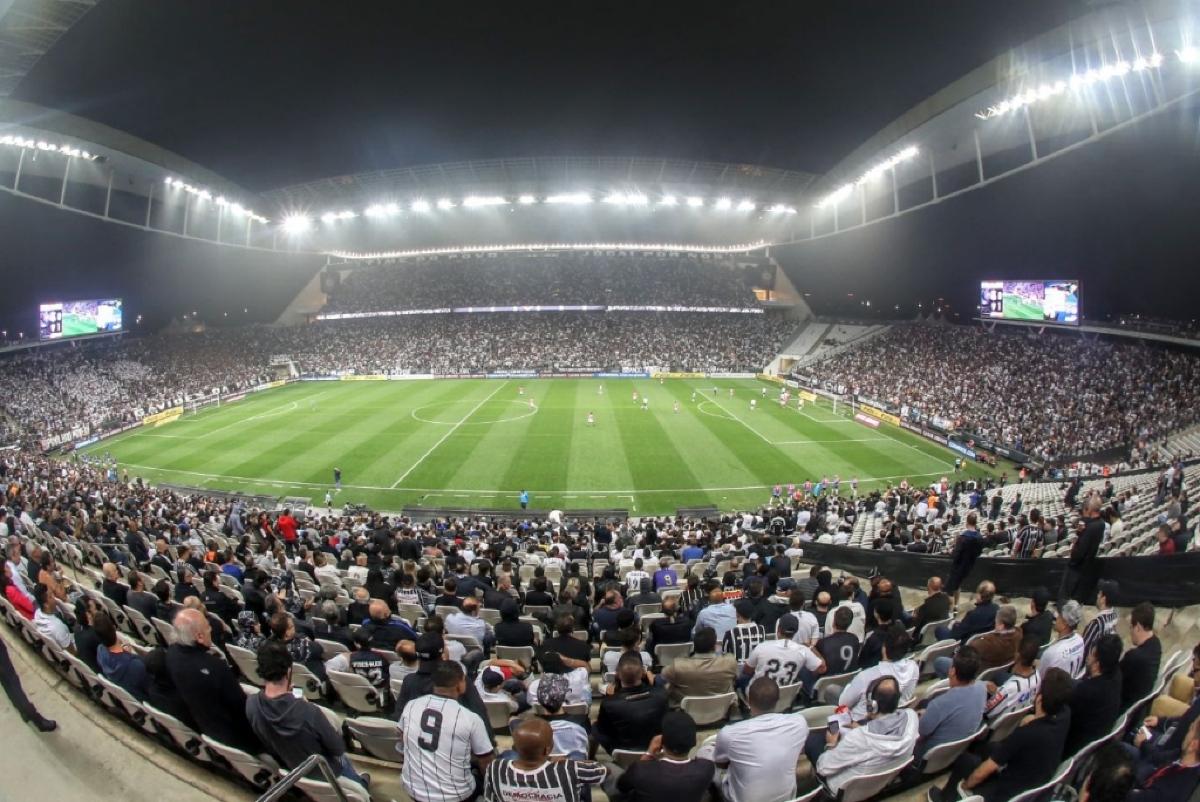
273 93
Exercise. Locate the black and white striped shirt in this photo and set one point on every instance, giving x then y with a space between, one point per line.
1104 623
553 781
742 639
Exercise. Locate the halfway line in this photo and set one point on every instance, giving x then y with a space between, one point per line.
449 432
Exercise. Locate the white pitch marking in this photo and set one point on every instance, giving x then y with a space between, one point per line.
449 432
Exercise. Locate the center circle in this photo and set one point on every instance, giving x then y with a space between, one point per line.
452 411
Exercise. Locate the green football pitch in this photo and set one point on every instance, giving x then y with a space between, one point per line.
478 443
74 325
1017 308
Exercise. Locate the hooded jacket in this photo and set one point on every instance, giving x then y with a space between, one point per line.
885 742
293 728
854 695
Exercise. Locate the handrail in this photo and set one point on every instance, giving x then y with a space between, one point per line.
289 780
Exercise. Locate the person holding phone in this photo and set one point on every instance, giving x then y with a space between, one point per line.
887 738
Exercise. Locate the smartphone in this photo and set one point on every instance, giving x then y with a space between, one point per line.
298 693
834 727
1146 733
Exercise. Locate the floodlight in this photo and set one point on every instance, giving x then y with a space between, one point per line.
473 201
570 198
746 206
420 206
1189 54
526 200
328 218
392 208
667 200
695 202
445 203
296 223
724 204
781 208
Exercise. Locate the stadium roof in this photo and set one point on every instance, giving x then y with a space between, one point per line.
545 175
28 29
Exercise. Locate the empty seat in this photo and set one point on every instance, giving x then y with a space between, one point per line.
708 709
378 736
356 692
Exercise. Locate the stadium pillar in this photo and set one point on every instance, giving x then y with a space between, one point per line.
1032 139
187 208
17 175
978 153
150 203
220 219
62 196
895 192
933 174
108 193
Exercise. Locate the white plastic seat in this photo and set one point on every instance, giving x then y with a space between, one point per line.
321 791
940 757
308 682
356 692
1002 727
665 654
626 757
184 736
787 696
258 770
865 786
379 736
247 663
706 710
521 654
499 714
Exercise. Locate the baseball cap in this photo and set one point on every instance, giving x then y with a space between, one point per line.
430 646
552 691
491 677
788 625
1070 611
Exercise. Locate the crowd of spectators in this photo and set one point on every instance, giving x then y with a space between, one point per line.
715 588
97 385
547 279
1055 396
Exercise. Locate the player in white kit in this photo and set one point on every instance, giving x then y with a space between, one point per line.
591 419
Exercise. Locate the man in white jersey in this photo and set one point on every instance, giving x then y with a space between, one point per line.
782 659
440 738
1020 687
758 755
1069 651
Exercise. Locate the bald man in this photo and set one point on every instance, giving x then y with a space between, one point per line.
1083 566
529 768
936 606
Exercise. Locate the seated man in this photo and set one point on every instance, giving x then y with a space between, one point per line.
957 713
758 755
578 678
1096 699
531 774
936 606
885 740
629 641
1021 686
46 620
980 618
631 713
666 772
839 648
782 659
741 640
704 673
675 628
386 631
572 733
1025 759
1176 780
1139 665
995 648
468 622
294 728
1067 652
118 665
893 664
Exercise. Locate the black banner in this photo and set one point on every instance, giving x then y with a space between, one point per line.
1168 581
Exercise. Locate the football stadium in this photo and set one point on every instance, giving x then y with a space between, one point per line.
569 403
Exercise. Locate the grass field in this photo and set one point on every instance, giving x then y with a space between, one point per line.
1017 308
477 443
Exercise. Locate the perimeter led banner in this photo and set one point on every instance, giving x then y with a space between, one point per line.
1054 301
64 320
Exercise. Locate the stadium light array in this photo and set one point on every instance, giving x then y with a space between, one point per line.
627 199
1189 54
746 205
695 202
527 200
723 204
14 141
781 208
570 198
420 206
220 200
296 223
445 204
553 246
843 192
1076 83
333 217
668 200
378 210
476 201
